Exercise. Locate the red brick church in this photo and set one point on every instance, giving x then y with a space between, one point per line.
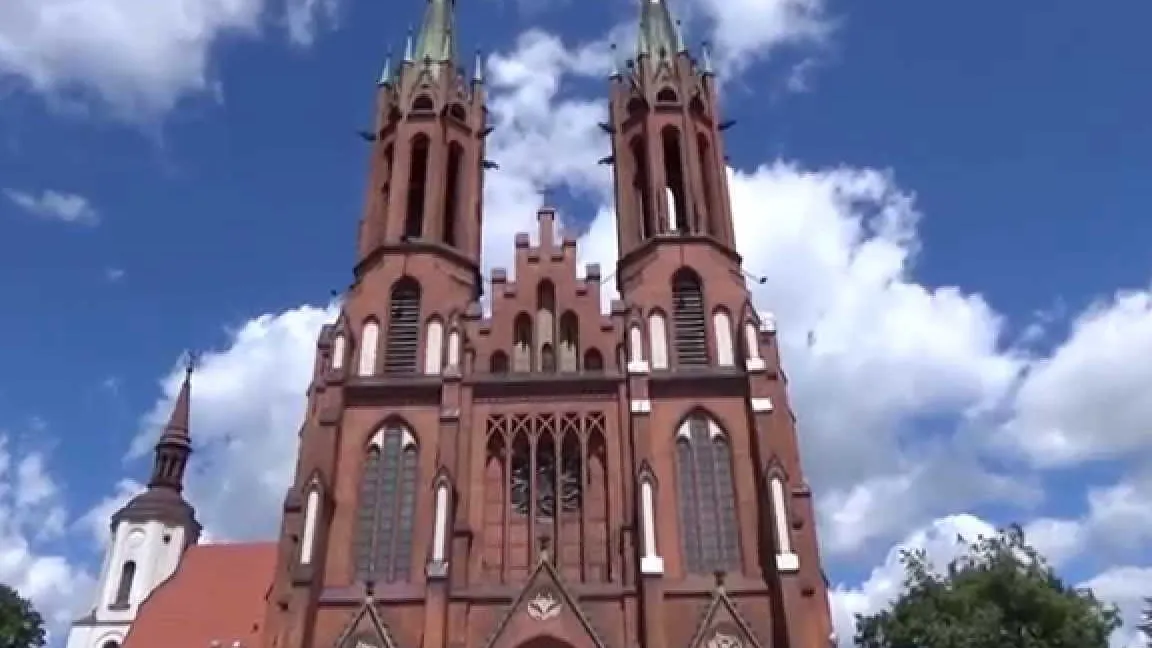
546 476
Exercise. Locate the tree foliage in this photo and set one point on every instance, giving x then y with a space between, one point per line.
1001 593
20 624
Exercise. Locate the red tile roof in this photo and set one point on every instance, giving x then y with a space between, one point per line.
217 594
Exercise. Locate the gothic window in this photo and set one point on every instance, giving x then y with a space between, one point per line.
569 342
722 333
452 192
635 344
311 518
522 343
384 524
688 319
498 363
457 111
707 499
417 179
708 177
552 484
666 95
423 103
675 189
635 106
593 361
369 343
434 347
403 327
546 325
641 187
124 587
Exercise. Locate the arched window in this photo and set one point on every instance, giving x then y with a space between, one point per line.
311 518
498 363
569 342
722 333
678 218
369 343
546 326
417 179
708 173
383 544
666 95
124 587
593 360
434 347
688 319
452 192
707 499
522 343
423 103
640 185
403 327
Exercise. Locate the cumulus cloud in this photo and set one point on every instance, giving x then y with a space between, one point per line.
138 58
745 31
31 513
55 205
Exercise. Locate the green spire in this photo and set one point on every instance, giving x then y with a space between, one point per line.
437 42
659 34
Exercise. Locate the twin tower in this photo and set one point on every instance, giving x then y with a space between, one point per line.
547 476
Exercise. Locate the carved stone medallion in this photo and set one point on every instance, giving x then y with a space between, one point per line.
721 640
543 606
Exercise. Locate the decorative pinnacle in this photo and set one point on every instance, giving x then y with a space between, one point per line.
706 57
478 68
615 63
408 46
386 72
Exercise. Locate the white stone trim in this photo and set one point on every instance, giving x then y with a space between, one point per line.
434 348
652 565
788 562
637 367
786 559
311 515
650 561
641 406
369 346
658 340
722 334
756 364
339 350
762 405
440 526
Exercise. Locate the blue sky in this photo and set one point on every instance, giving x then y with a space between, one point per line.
160 195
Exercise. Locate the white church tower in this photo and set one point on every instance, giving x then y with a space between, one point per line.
149 536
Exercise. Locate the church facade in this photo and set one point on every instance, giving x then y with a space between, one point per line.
544 475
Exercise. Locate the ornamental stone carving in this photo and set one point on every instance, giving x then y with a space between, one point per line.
543 606
721 640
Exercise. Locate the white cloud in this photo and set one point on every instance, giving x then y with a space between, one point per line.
1126 587
744 31
139 58
55 205
32 512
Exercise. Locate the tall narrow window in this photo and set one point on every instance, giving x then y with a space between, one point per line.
338 352
498 363
124 587
452 192
641 186
311 518
383 542
403 327
658 340
593 361
522 343
674 181
688 319
569 342
369 344
708 177
434 347
417 181
707 499
546 325
722 333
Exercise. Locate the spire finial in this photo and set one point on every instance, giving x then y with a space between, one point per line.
436 42
408 46
659 34
706 56
478 68
191 363
386 71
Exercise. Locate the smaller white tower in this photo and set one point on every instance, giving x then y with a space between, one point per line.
149 536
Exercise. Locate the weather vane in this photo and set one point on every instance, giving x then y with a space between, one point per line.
191 361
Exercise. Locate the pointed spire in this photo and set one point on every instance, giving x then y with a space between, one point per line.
175 443
706 59
659 35
436 42
478 68
386 72
408 47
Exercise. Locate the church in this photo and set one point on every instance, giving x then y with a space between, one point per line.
543 475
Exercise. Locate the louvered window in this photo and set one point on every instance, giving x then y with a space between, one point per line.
403 328
383 544
707 499
688 319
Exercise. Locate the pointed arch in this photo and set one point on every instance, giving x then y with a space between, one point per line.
434 347
569 342
369 346
452 192
423 103
387 503
688 318
417 185
593 360
339 350
706 496
403 327
708 178
311 521
546 326
666 95
498 363
496 506
522 343
679 220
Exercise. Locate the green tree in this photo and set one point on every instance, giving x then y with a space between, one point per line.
1001 593
20 624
